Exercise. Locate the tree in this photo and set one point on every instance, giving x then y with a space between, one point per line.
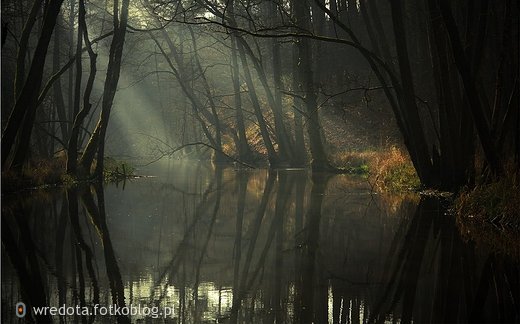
96 143
319 157
22 116
72 152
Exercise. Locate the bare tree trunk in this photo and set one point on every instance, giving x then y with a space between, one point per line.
319 158
284 140
299 143
219 156
57 88
456 148
23 47
271 153
243 150
79 65
180 75
70 98
23 114
284 143
72 155
468 78
97 140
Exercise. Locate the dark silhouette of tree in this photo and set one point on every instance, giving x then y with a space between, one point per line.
72 155
96 142
22 116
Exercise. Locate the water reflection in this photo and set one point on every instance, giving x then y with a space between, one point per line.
241 246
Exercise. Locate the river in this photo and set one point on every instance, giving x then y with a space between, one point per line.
230 245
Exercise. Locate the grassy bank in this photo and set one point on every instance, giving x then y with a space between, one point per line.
496 202
489 214
387 170
51 172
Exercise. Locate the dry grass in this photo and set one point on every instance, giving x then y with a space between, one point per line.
354 160
45 172
489 214
497 202
388 170
38 173
392 169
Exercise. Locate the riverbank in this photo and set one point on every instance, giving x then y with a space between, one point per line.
489 214
48 173
389 169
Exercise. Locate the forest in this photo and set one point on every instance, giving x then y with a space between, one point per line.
252 78
276 113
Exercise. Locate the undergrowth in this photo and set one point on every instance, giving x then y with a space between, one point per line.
489 213
496 202
387 170
115 171
52 172
37 173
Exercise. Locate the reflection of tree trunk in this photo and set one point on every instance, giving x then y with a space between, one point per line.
218 176
280 205
81 281
477 308
58 255
98 218
282 197
255 226
24 260
81 245
172 267
299 205
309 252
403 280
237 248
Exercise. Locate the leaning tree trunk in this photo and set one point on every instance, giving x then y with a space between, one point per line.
23 114
243 150
271 153
319 158
284 139
97 139
23 47
418 148
468 79
72 155
57 88
300 153
218 151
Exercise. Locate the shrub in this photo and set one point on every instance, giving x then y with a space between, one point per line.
393 170
497 202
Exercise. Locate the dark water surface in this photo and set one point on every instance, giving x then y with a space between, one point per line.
248 246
